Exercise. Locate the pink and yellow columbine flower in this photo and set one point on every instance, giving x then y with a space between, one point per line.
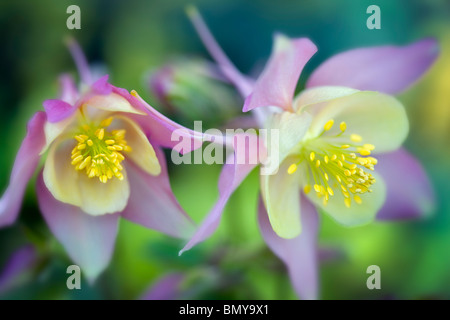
337 145
103 161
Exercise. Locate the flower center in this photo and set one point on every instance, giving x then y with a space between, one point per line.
337 162
100 152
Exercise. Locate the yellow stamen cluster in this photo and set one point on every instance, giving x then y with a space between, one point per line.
337 166
100 152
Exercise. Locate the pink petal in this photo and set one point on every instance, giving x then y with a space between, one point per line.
26 162
57 110
89 240
242 122
80 61
276 85
20 261
69 92
300 254
161 82
160 128
152 203
233 173
60 109
242 83
409 192
329 254
101 86
166 288
388 69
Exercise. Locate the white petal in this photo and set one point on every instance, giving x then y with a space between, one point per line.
290 128
281 196
378 118
357 214
111 103
320 94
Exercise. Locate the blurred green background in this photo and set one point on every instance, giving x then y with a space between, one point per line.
130 38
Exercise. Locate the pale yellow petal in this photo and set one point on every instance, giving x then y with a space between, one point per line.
320 94
357 214
289 129
111 103
60 175
99 198
54 130
74 187
281 196
378 118
142 152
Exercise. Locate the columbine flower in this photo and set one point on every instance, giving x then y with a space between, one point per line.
333 137
103 162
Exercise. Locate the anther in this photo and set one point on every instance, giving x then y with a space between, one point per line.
292 168
330 191
307 189
347 202
357 199
328 125
355 137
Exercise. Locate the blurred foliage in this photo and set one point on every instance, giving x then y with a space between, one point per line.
190 89
129 38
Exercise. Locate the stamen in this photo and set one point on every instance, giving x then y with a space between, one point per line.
99 152
317 163
106 122
307 189
76 154
330 191
364 152
343 168
355 137
292 168
100 133
328 125
79 139
77 159
357 199
347 202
